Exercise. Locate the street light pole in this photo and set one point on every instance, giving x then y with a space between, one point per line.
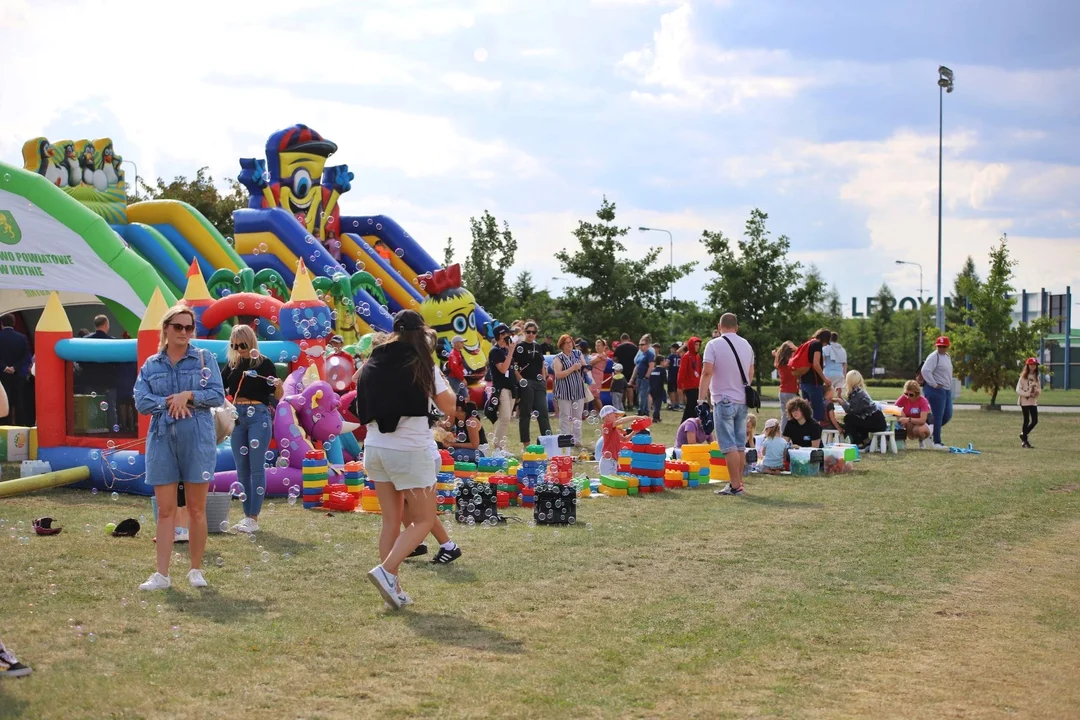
671 265
132 163
907 262
945 84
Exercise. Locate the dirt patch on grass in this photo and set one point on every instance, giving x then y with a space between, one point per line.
1005 642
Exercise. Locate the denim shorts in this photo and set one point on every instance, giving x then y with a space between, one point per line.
183 451
406 469
730 420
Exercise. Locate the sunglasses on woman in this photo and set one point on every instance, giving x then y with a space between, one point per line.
239 346
180 327
530 332
911 395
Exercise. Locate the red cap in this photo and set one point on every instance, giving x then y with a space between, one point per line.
942 341
1032 361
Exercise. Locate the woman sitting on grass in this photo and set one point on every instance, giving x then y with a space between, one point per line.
863 417
801 429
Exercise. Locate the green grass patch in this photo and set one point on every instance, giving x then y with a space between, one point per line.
682 604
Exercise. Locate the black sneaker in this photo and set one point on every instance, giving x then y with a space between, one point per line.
10 666
445 557
728 490
420 550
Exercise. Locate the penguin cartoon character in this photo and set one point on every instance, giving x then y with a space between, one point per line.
39 156
71 163
105 163
86 162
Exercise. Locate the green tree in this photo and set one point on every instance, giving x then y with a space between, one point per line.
526 302
769 294
202 194
448 253
990 348
834 307
881 323
619 294
965 278
490 256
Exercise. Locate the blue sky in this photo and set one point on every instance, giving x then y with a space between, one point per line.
686 114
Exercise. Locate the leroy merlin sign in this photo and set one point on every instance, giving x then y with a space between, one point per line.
10 233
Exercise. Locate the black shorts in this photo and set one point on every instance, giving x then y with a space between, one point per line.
673 386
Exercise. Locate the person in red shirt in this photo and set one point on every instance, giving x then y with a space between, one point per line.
689 377
455 367
789 385
916 409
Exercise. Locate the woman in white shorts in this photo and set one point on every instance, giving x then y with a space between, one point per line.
394 393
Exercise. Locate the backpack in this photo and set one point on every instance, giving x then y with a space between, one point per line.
799 363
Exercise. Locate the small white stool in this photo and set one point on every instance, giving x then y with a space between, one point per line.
830 437
883 442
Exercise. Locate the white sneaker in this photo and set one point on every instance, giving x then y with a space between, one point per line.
939 446
157 581
403 600
180 535
196 578
386 584
247 525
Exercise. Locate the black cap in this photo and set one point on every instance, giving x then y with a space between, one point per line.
499 329
127 528
405 320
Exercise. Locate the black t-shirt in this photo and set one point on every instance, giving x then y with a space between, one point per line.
657 379
812 377
252 388
625 352
499 379
547 348
529 360
802 435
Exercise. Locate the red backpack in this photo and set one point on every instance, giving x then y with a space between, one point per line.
799 363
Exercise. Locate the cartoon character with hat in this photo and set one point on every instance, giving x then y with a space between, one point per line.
294 177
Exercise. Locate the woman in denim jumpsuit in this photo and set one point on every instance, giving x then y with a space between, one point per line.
177 387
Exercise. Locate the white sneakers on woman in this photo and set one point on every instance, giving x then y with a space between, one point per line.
247 525
158 581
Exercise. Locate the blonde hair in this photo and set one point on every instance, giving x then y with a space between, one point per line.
180 308
751 422
240 334
912 386
852 381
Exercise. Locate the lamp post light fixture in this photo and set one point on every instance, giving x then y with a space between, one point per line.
132 164
671 257
945 85
908 262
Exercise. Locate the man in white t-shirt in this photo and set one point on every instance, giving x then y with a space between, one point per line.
722 385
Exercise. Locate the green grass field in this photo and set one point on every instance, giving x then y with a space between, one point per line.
924 585
1005 397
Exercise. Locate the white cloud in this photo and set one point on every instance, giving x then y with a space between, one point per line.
686 72
465 83
540 52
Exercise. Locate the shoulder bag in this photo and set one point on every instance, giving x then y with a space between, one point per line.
753 399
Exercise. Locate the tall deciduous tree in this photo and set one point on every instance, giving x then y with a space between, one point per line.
968 274
202 194
527 302
990 349
488 262
767 292
618 294
448 252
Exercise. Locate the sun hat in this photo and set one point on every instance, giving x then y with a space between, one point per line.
609 410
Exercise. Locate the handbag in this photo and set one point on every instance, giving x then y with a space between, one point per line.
753 399
225 414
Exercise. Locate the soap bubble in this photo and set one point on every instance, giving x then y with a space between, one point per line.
93 491
91 637
104 405
219 561
247 571
291 499
244 450
260 491
160 608
242 497
535 414
265 557
176 632
206 373
236 488
52 588
523 382
144 604
123 602
269 455
254 444
224 526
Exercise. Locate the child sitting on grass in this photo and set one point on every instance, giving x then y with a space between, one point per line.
751 429
773 447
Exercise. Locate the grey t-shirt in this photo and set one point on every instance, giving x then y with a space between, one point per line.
937 370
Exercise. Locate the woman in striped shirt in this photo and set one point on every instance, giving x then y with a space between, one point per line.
570 367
